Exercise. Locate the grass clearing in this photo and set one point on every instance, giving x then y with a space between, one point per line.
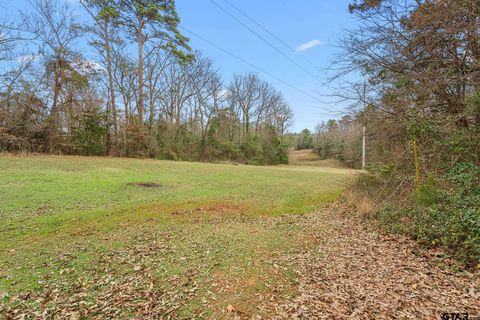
307 157
196 236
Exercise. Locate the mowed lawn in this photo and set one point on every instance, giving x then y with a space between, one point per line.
106 237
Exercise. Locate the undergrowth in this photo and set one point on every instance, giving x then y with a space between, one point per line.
443 212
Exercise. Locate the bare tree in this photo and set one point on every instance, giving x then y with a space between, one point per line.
55 30
151 21
104 16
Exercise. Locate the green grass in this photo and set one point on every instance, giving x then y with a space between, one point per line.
70 218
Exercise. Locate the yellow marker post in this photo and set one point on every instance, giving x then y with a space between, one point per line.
417 165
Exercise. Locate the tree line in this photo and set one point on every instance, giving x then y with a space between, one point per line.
123 81
411 71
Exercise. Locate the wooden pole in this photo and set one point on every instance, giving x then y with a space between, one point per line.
364 161
363 149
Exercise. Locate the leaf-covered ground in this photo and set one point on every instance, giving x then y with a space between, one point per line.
204 241
354 273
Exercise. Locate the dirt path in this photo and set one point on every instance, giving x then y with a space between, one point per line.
308 158
357 274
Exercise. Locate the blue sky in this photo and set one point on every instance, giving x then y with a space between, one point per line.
316 24
295 22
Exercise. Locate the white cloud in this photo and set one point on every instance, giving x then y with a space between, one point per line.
309 45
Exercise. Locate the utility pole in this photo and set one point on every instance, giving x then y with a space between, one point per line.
363 148
363 126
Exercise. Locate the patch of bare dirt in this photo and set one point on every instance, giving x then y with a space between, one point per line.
148 185
354 273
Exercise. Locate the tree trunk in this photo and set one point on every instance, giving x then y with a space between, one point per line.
53 118
140 70
151 113
110 77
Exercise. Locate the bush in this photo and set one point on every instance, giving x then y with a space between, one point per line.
305 140
445 215
266 149
90 133
274 151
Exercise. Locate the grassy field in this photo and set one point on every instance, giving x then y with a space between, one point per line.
102 237
308 158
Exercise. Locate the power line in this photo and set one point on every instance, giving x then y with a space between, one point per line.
286 45
266 41
332 113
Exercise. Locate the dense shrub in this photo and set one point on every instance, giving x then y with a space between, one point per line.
267 149
89 135
305 140
444 212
